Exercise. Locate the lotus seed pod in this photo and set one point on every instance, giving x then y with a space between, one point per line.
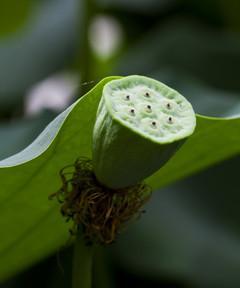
140 124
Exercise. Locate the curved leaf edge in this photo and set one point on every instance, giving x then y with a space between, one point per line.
43 142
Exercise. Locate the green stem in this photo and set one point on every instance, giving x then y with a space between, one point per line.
102 270
82 264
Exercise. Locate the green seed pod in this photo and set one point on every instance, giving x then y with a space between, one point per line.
140 124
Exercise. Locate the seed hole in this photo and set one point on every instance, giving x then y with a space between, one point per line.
170 120
149 108
154 124
169 106
132 112
127 97
147 94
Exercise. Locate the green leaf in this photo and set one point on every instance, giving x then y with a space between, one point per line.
19 133
214 140
190 231
32 226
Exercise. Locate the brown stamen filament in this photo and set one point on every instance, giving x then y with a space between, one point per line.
99 212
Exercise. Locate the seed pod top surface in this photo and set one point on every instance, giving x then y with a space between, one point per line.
139 126
150 108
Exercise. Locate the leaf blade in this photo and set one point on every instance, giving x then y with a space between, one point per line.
25 188
32 225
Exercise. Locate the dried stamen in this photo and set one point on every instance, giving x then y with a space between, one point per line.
98 211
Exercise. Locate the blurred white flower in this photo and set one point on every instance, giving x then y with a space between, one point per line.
105 36
55 93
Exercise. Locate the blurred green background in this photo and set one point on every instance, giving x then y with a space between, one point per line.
52 51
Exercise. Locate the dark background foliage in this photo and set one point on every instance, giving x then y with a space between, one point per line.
190 235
